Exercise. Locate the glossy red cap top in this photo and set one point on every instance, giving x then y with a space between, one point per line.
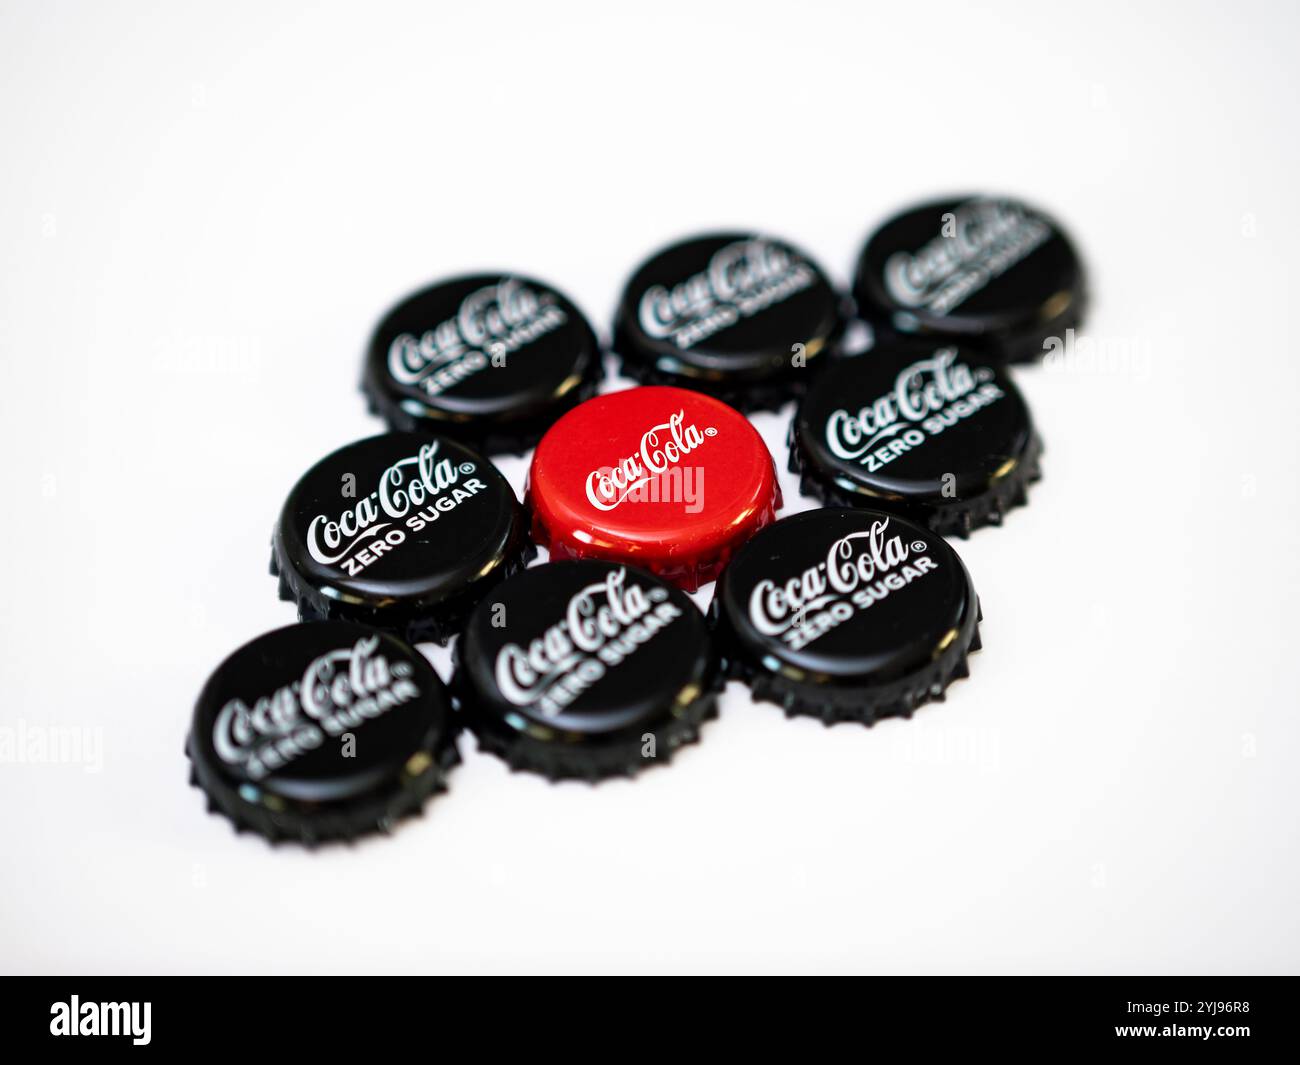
663 478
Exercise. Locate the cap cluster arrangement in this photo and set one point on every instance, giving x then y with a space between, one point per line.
597 663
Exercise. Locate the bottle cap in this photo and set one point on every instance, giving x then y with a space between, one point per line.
585 669
983 270
846 615
321 731
743 317
663 478
403 531
939 435
491 360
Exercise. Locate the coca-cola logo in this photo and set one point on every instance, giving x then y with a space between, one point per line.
741 279
978 241
858 570
662 446
419 480
920 390
337 692
491 321
602 624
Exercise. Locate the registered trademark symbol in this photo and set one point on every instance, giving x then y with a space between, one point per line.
918 545
401 669
710 431
467 467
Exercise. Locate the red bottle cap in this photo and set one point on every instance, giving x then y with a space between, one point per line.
664 478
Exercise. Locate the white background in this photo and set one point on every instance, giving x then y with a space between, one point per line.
204 209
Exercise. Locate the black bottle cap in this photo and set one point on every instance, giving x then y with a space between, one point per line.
585 669
846 615
939 435
983 270
403 531
321 731
491 360
743 317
